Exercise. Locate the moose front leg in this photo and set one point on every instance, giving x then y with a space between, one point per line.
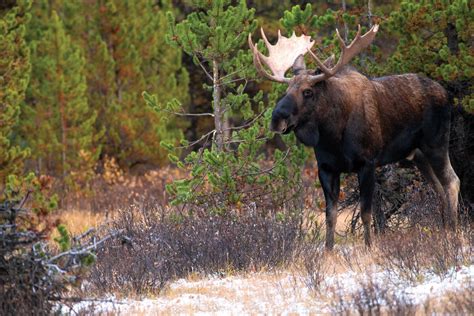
366 178
330 183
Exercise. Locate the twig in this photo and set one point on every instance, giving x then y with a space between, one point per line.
246 124
204 68
75 252
23 201
86 233
230 81
198 140
189 114
235 141
85 299
271 168
234 72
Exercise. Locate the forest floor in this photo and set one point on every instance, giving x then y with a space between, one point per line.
290 292
348 280
409 273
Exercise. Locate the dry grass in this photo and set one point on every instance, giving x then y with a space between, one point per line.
459 302
344 218
78 221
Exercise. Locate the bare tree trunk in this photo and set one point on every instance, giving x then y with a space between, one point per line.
39 165
62 113
363 55
369 12
218 115
346 29
452 36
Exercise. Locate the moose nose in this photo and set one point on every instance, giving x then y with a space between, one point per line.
279 120
284 108
280 113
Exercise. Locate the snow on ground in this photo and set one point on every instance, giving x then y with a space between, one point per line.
277 292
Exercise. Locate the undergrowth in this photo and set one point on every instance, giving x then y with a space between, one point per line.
165 246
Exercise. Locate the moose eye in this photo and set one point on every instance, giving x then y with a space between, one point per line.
308 93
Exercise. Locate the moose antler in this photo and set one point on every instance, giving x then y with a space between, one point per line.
282 55
348 52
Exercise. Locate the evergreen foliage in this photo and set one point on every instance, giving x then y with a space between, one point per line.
128 56
91 60
214 37
435 38
14 77
123 53
58 121
15 69
229 174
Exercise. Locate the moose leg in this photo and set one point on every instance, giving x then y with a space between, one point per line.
330 183
441 165
426 170
366 178
435 147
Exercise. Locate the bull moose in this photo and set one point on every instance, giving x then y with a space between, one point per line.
356 124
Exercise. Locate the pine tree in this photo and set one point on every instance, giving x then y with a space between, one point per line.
129 56
60 123
123 45
229 174
14 77
435 38
213 37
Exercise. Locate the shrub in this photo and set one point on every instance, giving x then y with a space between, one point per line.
461 302
34 277
314 269
410 254
25 283
166 246
371 298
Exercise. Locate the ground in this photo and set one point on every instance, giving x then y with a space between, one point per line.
291 292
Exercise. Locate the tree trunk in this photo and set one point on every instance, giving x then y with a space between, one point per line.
39 165
218 113
369 12
226 126
346 29
452 37
62 113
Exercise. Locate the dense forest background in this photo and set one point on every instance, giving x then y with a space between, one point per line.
73 74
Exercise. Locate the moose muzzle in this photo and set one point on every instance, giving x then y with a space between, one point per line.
283 115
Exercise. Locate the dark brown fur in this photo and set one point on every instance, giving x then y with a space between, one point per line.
355 124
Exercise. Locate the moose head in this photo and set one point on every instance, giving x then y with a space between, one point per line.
355 123
289 53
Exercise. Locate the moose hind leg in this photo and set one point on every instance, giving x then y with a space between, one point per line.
427 171
450 182
435 147
366 186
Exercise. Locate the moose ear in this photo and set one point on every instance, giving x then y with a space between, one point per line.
330 61
298 65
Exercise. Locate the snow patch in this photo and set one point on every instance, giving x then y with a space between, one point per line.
282 293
